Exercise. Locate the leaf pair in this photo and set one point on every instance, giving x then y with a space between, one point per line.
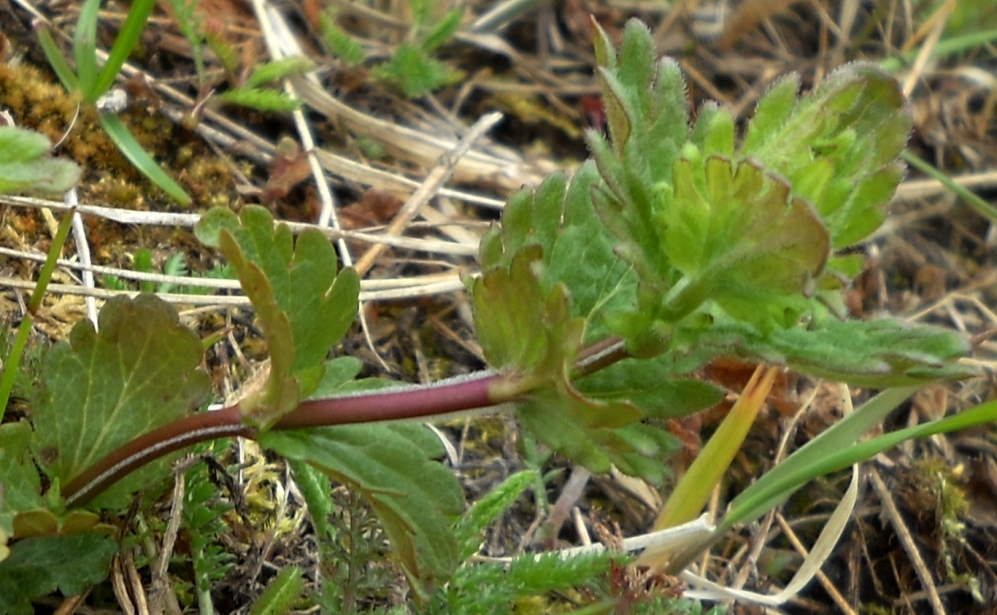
701 218
549 276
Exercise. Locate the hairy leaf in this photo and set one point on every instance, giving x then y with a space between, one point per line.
25 167
413 72
550 273
100 390
392 466
738 236
520 327
880 353
577 250
304 305
837 146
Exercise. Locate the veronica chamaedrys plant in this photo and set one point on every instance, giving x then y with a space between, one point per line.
598 297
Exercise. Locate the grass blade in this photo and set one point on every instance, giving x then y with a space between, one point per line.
126 142
85 50
56 60
828 450
24 329
972 199
130 32
692 492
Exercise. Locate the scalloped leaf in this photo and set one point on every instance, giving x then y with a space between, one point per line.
393 467
739 237
832 141
304 305
100 390
39 566
576 248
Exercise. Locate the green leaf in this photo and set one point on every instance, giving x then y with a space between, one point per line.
85 50
39 566
413 72
24 166
58 61
276 70
140 158
280 593
880 353
649 385
442 31
490 507
271 101
738 236
647 113
802 466
520 327
339 43
22 145
21 485
831 142
128 37
577 249
392 466
303 304
100 390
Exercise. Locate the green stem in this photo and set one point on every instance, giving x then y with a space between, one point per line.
24 329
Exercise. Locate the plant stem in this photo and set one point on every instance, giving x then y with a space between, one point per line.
24 329
446 396
479 390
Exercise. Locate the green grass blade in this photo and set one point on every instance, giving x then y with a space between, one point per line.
126 142
130 32
972 199
85 50
24 330
772 495
812 460
58 62
956 44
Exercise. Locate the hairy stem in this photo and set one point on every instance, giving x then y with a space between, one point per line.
479 390
446 396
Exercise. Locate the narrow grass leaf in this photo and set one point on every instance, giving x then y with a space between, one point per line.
693 491
140 158
128 36
58 61
85 50
810 461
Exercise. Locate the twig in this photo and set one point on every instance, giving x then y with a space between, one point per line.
893 514
429 188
